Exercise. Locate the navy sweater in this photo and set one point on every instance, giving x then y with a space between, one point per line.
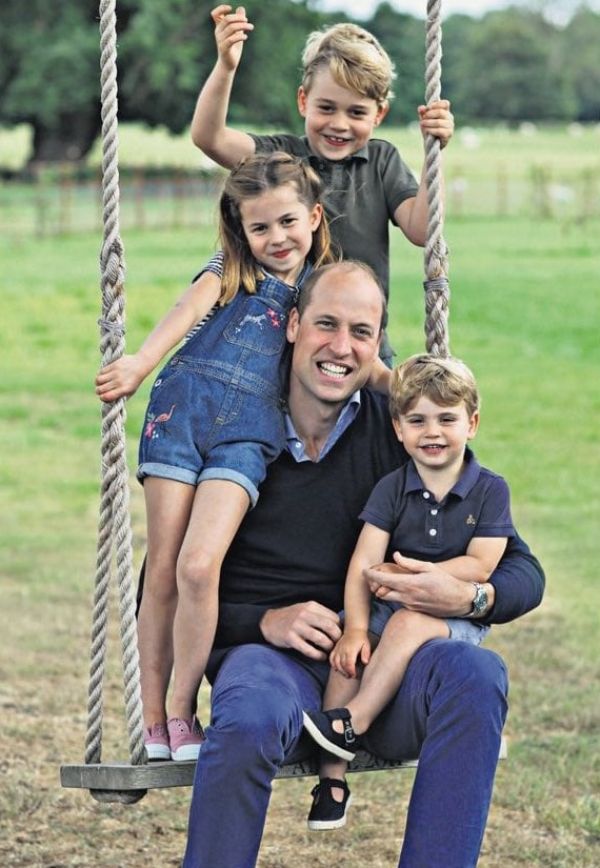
295 545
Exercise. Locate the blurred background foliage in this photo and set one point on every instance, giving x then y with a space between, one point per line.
509 65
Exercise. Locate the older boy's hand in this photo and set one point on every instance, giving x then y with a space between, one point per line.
231 31
437 120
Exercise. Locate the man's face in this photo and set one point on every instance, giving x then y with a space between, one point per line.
338 122
336 340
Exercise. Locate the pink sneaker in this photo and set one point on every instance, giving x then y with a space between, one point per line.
186 737
156 742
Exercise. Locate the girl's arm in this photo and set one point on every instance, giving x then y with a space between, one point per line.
124 376
210 132
354 645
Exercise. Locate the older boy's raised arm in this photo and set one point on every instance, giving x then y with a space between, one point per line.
411 215
210 132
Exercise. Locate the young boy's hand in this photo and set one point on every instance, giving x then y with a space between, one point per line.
120 379
437 120
231 31
352 649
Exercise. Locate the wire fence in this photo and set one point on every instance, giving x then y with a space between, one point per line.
62 202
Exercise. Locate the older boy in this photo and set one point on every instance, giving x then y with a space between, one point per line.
441 507
343 97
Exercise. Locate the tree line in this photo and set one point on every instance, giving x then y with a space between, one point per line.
510 65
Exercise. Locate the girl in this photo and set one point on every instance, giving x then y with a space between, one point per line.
213 424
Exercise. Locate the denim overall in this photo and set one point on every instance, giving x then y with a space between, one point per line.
215 409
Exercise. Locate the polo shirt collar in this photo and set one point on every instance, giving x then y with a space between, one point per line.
461 489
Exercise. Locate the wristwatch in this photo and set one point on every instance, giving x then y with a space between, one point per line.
480 601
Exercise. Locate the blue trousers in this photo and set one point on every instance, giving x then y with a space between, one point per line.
449 712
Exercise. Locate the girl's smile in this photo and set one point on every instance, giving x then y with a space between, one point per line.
279 229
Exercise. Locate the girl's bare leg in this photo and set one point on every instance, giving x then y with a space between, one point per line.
168 508
403 635
217 512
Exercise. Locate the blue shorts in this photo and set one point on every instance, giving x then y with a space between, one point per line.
462 629
198 427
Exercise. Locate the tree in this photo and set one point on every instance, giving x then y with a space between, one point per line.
581 62
49 74
403 37
511 70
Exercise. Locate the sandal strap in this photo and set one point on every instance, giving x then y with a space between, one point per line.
329 784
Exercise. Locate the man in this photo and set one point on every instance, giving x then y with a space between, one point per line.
281 588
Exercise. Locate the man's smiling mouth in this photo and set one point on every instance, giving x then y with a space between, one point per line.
338 372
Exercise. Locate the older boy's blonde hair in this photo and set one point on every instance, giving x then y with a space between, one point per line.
355 59
445 381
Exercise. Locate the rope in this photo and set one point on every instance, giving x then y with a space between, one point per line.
114 529
436 285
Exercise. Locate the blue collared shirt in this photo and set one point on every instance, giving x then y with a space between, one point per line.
296 446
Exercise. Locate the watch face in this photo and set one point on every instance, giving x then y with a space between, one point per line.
480 601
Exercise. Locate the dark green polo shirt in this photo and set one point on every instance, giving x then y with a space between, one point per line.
362 193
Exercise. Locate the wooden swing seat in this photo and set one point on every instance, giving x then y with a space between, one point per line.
121 782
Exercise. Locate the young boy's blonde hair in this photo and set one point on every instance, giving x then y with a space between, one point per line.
355 59
445 381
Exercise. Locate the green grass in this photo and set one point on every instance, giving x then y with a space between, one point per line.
524 315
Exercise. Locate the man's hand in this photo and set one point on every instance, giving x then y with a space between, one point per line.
310 628
437 120
352 649
421 586
231 31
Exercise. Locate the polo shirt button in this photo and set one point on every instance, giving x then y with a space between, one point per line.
432 532
426 495
434 511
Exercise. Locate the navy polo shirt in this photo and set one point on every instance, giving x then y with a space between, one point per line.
420 527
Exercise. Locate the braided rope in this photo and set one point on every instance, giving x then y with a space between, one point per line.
437 291
114 529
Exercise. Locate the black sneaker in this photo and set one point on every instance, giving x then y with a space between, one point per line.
318 725
326 812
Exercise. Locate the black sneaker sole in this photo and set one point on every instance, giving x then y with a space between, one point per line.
324 825
322 740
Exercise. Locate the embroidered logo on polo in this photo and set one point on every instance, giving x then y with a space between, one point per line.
471 520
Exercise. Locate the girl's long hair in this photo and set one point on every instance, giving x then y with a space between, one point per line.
253 176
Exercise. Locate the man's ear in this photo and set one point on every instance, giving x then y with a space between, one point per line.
301 98
292 325
381 113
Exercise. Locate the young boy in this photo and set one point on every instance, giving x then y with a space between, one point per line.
343 97
441 506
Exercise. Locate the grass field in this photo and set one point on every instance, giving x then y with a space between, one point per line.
490 172
524 314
